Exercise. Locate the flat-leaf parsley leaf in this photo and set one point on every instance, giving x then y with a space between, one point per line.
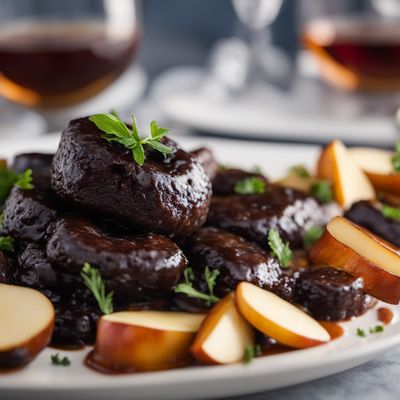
279 249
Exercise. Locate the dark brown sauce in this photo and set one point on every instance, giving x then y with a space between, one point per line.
335 330
385 315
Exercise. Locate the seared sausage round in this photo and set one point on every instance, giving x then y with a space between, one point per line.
237 260
205 158
132 267
331 294
28 213
167 195
252 216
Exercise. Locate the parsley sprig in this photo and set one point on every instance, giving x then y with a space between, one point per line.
8 178
57 360
279 249
312 235
251 352
95 284
186 287
115 130
300 170
6 243
24 180
396 158
390 212
322 190
250 185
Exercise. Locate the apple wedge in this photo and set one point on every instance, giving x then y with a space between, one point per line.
145 340
350 247
350 184
223 335
26 324
377 165
279 319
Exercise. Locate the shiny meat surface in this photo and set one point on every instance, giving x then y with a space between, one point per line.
331 294
167 195
224 182
205 157
28 213
368 215
252 216
237 260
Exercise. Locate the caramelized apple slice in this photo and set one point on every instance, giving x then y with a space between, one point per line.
352 248
26 324
377 164
145 340
223 335
350 184
277 318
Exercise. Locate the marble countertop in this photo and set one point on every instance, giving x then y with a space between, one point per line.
376 380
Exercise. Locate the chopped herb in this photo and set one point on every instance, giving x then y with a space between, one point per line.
250 352
376 329
94 282
396 158
7 180
188 289
312 235
250 185
361 332
57 360
24 180
115 130
322 190
390 212
300 170
6 243
279 249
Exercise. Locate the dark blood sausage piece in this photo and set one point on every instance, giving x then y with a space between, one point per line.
39 163
252 216
237 260
167 195
224 182
3 268
75 326
27 214
368 215
135 268
331 294
205 158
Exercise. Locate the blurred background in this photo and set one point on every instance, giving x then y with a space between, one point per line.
287 70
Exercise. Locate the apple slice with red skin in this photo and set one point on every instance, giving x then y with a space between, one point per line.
377 165
348 246
145 340
278 318
223 335
26 324
350 184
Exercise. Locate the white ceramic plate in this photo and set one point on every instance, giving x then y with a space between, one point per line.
188 97
41 380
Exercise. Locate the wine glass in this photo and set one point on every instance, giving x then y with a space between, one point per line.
55 53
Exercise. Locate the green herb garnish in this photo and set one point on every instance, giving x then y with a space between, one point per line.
95 284
250 352
1 220
376 329
187 288
24 180
361 332
57 360
322 190
6 243
390 212
279 249
300 170
250 185
396 158
312 235
115 130
7 180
